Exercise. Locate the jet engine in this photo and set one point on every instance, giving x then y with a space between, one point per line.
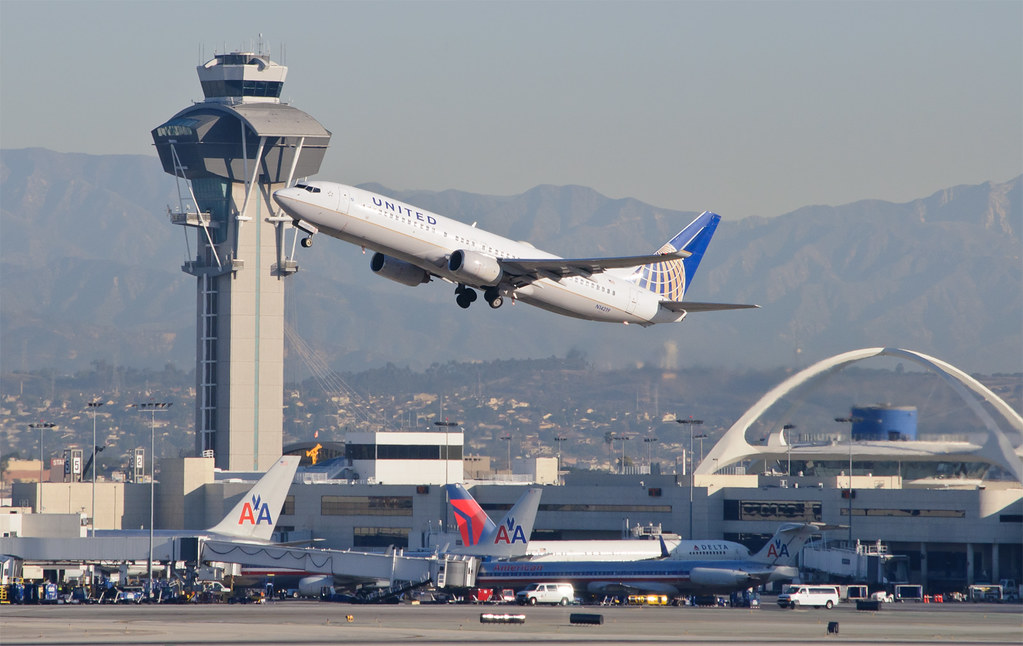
474 268
719 578
398 270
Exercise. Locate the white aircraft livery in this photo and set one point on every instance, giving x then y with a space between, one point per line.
414 246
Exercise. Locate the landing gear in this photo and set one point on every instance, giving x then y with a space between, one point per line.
307 242
493 296
464 296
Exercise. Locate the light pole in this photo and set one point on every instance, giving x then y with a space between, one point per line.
649 441
849 492
692 476
623 439
41 426
559 439
152 407
507 438
92 525
788 444
447 450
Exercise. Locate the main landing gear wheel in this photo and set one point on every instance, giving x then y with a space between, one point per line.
307 242
493 297
464 296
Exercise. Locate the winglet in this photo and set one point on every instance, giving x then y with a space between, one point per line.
255 515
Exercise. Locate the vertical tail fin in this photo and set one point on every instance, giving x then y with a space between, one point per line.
785 544
255 515
473 522
671 279
509 538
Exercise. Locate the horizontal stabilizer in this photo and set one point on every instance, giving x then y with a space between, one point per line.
686 306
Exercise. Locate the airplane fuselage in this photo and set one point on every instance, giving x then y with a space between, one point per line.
667 576
427 240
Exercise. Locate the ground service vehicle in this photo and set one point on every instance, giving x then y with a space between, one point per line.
809 595
558 593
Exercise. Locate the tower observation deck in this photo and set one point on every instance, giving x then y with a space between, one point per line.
229 153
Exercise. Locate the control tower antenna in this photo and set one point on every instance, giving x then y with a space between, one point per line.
230 152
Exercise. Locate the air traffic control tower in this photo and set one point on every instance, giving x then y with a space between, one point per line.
229 153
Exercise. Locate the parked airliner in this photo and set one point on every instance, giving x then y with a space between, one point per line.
414 246
474 524
775 562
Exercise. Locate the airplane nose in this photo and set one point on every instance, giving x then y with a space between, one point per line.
285 197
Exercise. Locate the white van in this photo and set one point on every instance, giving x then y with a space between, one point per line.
809 595
558 593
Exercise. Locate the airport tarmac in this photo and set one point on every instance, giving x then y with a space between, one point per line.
312 622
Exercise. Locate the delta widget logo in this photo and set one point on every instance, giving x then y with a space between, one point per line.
255 512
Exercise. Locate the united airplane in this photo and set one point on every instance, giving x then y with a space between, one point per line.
413 246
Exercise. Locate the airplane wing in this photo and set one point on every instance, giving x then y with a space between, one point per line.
557 268
686 306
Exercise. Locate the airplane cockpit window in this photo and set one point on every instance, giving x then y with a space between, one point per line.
306 187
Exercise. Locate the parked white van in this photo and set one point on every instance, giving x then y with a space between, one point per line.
809 595
558 593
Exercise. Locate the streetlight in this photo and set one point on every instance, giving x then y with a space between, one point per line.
447 450
41 426
850 420
94 406
507 438
692 476
788 444
623 439
559 439
649 441
152 407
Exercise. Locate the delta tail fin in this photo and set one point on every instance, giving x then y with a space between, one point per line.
509 538
473 523
786 543
255 515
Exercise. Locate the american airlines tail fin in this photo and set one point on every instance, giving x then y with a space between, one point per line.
255 515
509 538
473 522
786 543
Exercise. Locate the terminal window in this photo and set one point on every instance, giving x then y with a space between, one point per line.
366 505
380 537
794 510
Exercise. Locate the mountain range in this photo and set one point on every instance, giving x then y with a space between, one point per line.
91 272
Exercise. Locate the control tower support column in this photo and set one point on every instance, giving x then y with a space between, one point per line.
230 152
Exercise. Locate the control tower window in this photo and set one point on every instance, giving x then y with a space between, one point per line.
242 88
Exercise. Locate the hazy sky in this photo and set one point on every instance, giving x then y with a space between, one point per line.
740 107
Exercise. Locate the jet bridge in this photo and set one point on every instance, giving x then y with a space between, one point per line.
443 570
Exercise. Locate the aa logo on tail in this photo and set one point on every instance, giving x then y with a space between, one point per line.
255 512
778 549
515 536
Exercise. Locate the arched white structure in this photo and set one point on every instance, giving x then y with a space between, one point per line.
1003 447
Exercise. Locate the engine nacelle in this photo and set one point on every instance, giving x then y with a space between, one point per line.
313 586
398 270
719 578
474 268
